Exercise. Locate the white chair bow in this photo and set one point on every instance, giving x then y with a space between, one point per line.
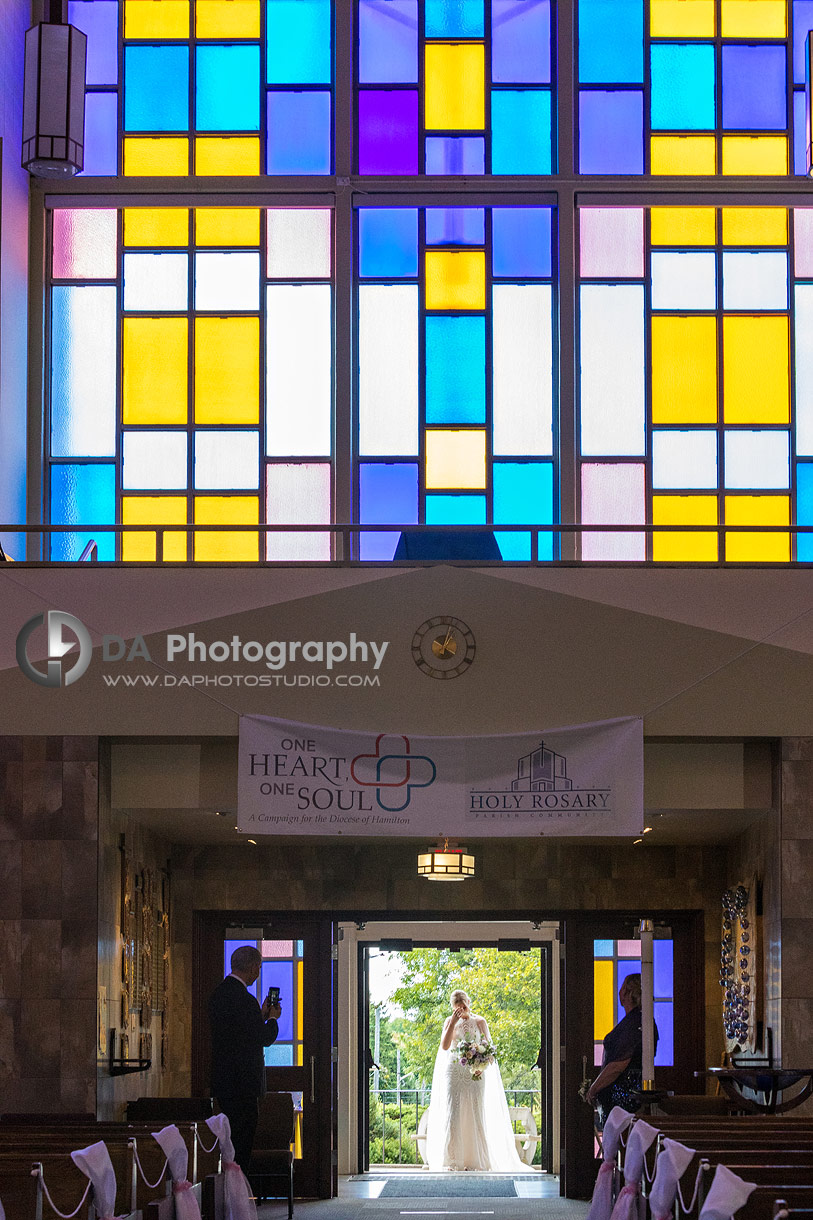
177 1153
673 1162
240 1203
727 1195
628 1204
94 1162
602 1203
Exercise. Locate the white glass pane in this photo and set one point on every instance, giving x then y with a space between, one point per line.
523 379
611 241
298 243
156 282
299 369
154 461
803 333
227 281
684 281
84 243
613 495
757 459
298 495
803 241
684 459
227 460
388 369
755 281
83 371
612 370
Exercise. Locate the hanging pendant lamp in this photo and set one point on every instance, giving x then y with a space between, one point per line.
54 99
445 862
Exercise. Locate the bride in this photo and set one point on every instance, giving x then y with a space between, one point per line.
468 1124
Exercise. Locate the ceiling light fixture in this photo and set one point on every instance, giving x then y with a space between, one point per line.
445 862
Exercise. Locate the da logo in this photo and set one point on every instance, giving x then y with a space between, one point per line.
56 623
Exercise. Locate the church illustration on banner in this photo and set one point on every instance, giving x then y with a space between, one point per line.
542 770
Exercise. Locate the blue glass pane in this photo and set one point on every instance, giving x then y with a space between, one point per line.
279 1055
625 967
83 495
682 87
603 948
802 22
298 133
799 133
300 952
754 87
388 41
280 974
227 86
520 41
99 20
455 155
521 241
299 48
156 88
455 226
444 509
804 509
520 131
228 948
455 370
611 41
663 972
454 18
388 492
665 1021
523 493
611 132
388 242
101 134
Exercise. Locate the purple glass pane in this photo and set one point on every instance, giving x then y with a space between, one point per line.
388 131
625 967
662 951
754 88
665 1021
520 41
228 948
455 155
388 492
799 133
101 135
280 974
99 20
611 132
802 22
388 41
455 226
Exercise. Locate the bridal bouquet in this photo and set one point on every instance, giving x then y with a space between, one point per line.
475 1054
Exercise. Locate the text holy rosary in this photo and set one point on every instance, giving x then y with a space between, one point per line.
275 654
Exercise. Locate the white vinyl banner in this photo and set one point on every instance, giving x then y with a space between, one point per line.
307 779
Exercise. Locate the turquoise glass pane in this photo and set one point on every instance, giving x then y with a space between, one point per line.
99 21
623 968
603 948
298 42
682 84
611 41
388 41
388 493
455 155
611 132
227 88
520 131
280 974
455 226
388 242
279 1054
454 18
101 134
455 370
523 494
521 242
299 126
445 509
663 969
520 42
83 495
802 22
665 1023
156 88
754 88
804 509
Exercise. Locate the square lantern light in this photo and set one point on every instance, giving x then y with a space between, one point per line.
445 862
54 100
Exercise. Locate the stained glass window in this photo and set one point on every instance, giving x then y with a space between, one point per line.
613 960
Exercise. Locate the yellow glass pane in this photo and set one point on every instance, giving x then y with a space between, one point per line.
454 88
455 279
682 155
757 547
298 1123
156 18
755 226
684 370
221 546
153 510
221 156
300 1016
603 999
755 155
162 156
753 19
756 388
156 227
684 510
154 376
683 226
227 18
455 459
681 18
227 226
227 370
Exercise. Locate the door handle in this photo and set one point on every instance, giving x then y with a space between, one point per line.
313 1078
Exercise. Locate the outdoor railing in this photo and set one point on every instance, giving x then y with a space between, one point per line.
395 1116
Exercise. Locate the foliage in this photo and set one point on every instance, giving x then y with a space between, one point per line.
410 1116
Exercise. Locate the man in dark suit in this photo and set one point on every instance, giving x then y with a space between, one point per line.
240 1031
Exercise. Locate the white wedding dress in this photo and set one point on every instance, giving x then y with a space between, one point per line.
468 1124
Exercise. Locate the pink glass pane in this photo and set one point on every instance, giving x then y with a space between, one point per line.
613 495
803 240
84 244
277 948
598 1051
629 948
298 495
612 242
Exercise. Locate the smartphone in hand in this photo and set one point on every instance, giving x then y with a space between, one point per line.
273 996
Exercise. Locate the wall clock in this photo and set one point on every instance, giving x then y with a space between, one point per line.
443 647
